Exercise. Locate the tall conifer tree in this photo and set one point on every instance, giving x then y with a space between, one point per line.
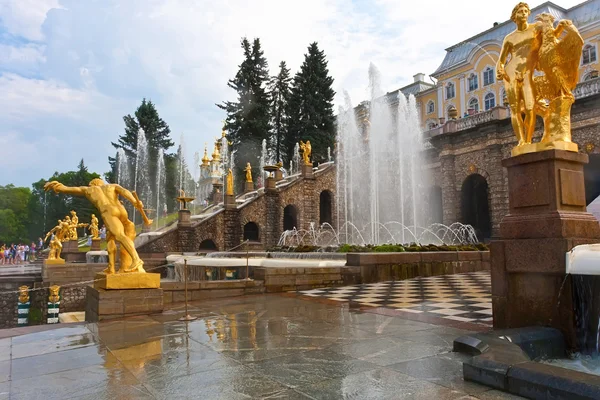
248 118
280 88
311 106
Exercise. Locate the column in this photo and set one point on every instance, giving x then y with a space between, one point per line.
440 100
449 196
463 97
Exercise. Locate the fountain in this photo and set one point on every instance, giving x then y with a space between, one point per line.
296 160
123 172
141 178
380 171
160 186
263 161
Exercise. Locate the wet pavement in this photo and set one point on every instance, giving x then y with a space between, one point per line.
252 347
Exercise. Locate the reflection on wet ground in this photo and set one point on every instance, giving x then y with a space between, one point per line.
253 347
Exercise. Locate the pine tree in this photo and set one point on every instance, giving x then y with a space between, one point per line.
311 106
248 118
280 87
157 134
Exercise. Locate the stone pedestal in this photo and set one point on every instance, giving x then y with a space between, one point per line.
70 252
547 217
230 202
95 245
248 187
307 171
184 218
217 193
102 304
131 280
278 175
271 184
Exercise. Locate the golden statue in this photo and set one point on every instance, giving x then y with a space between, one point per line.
229 191
248 170
74 224
537 47
306 152
105 197
61 233
94 227
23 294
54 296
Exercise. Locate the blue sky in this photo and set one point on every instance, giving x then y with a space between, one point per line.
71 69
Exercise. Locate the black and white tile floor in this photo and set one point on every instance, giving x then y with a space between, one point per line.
460 297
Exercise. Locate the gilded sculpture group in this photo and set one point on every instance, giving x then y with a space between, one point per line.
67 230
553 51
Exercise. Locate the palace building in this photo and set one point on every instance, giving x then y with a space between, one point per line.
466 121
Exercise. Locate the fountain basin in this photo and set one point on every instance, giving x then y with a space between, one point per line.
512 360
584 260
96 257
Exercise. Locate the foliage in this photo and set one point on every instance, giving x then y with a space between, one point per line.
49 207
389 248
157 134
15 213
280 87
248 118
311 106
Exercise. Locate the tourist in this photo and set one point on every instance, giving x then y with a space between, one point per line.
2 250
32 252
26 252
103 233
40 245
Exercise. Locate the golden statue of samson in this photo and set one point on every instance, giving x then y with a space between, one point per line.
556 53
105 197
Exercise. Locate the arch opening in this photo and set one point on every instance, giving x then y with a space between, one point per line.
290 217
325 207
251 232
475 208
208 245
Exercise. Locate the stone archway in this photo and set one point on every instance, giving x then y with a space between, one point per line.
207 245
251 232
326 207
475 207
591 173
290 217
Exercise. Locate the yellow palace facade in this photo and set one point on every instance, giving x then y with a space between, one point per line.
466 78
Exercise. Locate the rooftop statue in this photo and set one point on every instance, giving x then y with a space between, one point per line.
306 152
556 52
105 197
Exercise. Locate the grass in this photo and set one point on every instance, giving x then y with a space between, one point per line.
162 221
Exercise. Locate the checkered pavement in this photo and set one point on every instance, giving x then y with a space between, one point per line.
460 297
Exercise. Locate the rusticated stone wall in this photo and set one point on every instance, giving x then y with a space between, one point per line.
226 228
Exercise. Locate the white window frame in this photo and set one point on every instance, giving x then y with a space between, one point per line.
594 48
469 104
453 90
427 110
485 99
488 68
472 75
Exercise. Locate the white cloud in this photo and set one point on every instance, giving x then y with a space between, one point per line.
96 60
24 18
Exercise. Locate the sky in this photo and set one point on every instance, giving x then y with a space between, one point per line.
71 69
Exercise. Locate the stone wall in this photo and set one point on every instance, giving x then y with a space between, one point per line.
174 292
226 227
480 150
379 267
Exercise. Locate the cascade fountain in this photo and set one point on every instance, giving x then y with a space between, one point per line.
141 179
123 172
296 160
380 170
196 179
160 185
262 163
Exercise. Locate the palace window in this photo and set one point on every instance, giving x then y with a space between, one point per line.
490 101
488 76
473 84
589 54
430 106
474 104
450 91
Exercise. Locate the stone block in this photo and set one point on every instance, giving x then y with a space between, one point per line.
116 303
536 255
133 280
439 256
469 255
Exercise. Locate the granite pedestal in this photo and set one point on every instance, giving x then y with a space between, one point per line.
184 218
70 252
248 187
95 244
307 171
103 304
547 217
230 201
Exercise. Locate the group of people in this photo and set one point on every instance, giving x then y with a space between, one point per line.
19 253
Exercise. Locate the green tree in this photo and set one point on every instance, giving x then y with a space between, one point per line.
15 213
157 134
311 106
248 118
49 207
280 88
